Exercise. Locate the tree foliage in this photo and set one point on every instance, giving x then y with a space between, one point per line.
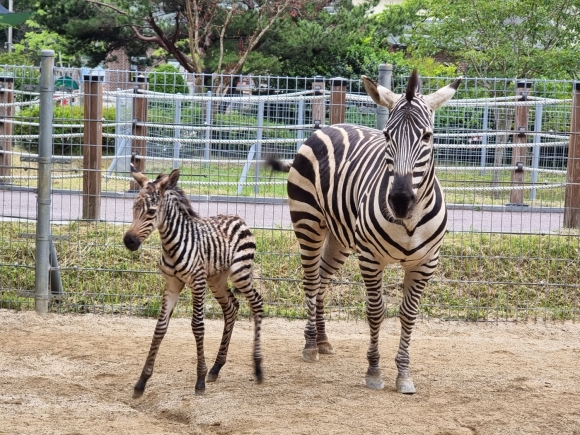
508 38
183 29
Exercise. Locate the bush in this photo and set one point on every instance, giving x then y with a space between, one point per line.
167 78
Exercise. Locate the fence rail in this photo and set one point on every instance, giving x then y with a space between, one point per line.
506 154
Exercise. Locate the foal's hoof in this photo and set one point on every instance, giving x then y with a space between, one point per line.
211 377
137 394
325 348
310 355
405 384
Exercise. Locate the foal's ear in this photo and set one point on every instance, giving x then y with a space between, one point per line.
138 176
169 181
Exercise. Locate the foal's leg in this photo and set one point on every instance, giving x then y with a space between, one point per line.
230 306
173 287
198 328
242 279
334 254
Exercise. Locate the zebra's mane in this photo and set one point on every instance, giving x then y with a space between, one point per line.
183 201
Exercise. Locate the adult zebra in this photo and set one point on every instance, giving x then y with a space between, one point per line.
356 189
196 251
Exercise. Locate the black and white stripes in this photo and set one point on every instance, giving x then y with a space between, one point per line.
356 189
196 251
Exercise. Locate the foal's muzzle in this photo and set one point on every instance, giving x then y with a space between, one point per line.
131 241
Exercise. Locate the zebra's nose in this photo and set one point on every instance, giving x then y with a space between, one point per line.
131 242
401 197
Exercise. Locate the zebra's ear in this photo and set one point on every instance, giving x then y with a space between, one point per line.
169 181
380 95
440 97
138 176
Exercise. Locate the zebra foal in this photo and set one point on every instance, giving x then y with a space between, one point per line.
374 193
196 251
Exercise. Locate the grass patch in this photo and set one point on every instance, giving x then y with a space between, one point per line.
480 277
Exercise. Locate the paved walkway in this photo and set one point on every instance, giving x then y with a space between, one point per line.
68 206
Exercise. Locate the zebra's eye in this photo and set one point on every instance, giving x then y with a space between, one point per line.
427 137
151 211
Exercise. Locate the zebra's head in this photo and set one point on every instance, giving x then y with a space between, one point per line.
409 140
146 206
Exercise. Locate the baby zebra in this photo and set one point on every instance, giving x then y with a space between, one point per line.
196 251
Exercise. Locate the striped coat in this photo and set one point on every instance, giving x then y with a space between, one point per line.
197 252
374 193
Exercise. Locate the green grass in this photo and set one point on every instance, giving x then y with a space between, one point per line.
480 277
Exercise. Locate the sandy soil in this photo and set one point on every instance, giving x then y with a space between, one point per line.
75 374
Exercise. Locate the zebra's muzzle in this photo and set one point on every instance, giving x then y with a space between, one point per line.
131 241
401 198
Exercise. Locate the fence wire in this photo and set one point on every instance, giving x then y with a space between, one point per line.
501 260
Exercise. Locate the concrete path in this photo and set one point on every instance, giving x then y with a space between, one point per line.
274 214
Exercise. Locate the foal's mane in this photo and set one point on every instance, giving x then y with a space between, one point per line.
183 201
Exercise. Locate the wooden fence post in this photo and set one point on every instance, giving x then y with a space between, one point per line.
337 100
6 127
318 103
572 196
93 146
139 146
520 137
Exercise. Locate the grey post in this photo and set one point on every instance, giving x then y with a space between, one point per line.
385 77
42 264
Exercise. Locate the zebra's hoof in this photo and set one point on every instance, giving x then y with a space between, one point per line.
137 393
405 384
310 355
199 392
325 348
211 377
374 382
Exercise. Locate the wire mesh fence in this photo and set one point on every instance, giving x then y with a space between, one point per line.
501 154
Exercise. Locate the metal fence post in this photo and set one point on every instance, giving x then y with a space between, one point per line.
206 152
384 78
42 264
536 149
6 126
93 146
318 103
337 100
484 129
259 134
139 146
300 122
572 196
177 133
520 137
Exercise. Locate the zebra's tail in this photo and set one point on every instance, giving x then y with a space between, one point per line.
278 165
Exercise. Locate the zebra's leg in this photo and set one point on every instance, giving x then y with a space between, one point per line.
230 306
372 274
242 278
198 328
311 235
334 255
173 287
414 283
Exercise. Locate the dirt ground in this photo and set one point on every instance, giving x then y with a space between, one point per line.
74 374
